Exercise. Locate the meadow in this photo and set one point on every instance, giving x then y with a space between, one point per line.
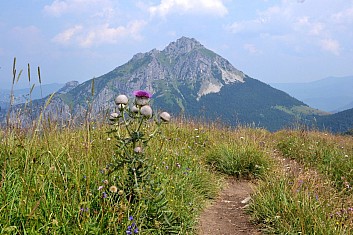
140 172
56 180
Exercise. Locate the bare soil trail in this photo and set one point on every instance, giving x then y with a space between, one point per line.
226 215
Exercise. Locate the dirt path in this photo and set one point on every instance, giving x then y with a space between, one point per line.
226 215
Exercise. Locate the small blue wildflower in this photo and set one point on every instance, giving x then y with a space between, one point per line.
104 195
131 227
84 210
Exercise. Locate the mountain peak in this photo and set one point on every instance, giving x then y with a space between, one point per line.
183 45
186 78
68 87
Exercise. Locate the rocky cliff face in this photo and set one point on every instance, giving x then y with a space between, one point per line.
184 61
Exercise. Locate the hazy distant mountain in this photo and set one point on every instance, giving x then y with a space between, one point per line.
185 78
332 94
338 122
23 95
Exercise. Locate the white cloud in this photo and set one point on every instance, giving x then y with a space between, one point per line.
102 34
213 7
307 26
60 7
255 25
251 48
343 16
67 36
331 45
290 25
93 22
56 8
236 27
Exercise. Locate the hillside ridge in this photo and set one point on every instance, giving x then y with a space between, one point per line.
185 78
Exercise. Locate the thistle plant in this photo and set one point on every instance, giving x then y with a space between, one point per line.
133 126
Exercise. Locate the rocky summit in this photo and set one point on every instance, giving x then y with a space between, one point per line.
187 79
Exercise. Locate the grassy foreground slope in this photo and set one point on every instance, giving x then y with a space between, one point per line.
55 180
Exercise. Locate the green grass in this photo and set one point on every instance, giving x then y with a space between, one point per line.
313 197
50 179
297 205
239 159
330 155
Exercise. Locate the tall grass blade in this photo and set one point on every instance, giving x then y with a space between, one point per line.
40 83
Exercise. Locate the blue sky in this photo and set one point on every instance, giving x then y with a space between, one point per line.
272 41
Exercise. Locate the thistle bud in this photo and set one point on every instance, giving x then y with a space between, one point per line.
146 111
165 117
121 99
134 109
113 116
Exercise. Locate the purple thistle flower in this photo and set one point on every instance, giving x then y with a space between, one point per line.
142 94
141 97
